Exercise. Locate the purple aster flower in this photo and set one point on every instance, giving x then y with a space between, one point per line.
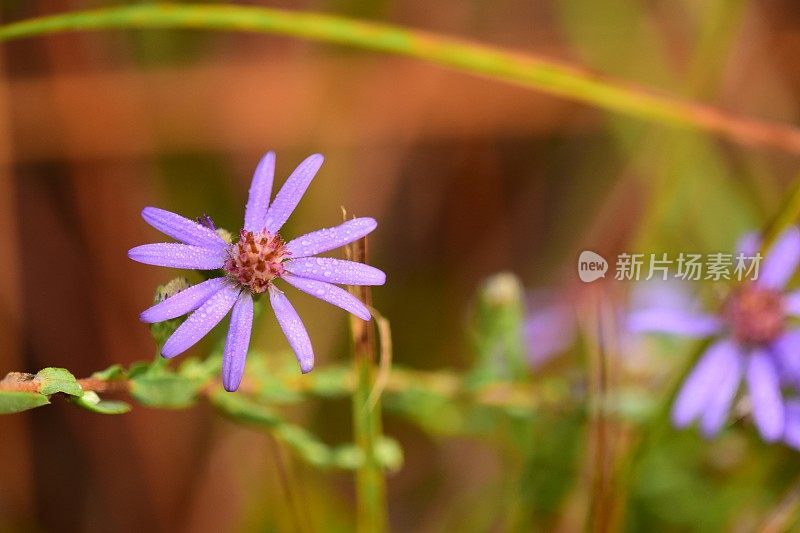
250 267
751 344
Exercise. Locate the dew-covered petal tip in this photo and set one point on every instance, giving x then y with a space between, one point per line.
255 213
333 270
674 321
291 192
201 321
329 293
181 228
237 342
327 239
765 394
293 328
697 390
781 260
168 254
183 302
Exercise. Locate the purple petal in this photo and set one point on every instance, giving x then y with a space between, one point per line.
329 293
791 433
293 328
698 388
183 302
781 261
673 321
255 213
185 230
659 294
548 331
786 349
201 321
722 394
333 270
765 395
791 303
237 342
291 192
170 254
329 238
749 243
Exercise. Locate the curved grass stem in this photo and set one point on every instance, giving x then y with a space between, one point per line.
526 70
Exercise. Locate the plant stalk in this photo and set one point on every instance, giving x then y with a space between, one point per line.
370 483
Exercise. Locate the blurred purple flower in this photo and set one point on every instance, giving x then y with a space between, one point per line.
550 326
551 323
250 267
752 343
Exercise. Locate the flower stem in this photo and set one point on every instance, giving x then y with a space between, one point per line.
370 483
21 382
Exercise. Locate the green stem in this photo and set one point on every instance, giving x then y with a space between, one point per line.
370 483
526 70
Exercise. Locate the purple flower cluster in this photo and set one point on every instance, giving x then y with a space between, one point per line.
250 266
752 343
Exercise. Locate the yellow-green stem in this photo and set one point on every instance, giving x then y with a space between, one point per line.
527 70
370 483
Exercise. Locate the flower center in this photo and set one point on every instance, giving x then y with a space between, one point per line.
256 259
755 314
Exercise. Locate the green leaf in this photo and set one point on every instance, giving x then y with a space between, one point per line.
348 457
17 401
53 380
138 368
389 453
92 402
329 382
240 408
111 373
204 369
304 444
165 390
